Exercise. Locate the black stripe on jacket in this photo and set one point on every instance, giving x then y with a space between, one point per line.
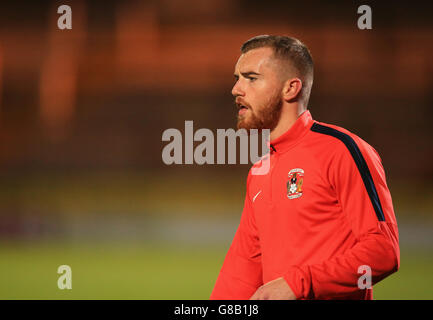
360 163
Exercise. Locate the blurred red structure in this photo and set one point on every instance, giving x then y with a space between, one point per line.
129 70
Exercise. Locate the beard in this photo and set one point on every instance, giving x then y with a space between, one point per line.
266 117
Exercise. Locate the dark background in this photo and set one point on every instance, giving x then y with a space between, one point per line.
82 113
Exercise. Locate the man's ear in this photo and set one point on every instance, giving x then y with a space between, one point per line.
292 89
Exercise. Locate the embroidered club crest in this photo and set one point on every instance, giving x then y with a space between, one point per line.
294 185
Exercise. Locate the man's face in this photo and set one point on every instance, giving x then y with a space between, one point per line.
258 90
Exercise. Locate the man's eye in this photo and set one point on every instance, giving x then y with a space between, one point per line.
252 79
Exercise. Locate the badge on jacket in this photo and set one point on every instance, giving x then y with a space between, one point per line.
294 184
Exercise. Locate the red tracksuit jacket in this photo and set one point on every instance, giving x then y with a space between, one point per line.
322 211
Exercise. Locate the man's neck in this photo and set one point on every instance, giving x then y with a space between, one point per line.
289 115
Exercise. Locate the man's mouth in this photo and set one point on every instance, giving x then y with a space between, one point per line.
242 108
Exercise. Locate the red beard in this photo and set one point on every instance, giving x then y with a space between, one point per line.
264 118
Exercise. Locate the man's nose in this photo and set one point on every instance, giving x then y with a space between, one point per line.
237 90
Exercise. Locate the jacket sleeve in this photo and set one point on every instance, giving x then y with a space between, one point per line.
358 180
241 273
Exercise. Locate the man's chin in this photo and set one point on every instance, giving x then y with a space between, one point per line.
243 124
247 126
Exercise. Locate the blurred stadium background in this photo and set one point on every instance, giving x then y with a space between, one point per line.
82 113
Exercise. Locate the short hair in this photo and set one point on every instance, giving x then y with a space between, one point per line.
288 49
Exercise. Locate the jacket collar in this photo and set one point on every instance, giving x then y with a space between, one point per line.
292 136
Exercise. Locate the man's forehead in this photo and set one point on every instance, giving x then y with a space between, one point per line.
254 60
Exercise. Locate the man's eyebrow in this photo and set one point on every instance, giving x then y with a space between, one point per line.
247 74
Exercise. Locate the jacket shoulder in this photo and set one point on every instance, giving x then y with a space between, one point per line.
341 138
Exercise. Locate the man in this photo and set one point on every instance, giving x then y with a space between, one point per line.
321 221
